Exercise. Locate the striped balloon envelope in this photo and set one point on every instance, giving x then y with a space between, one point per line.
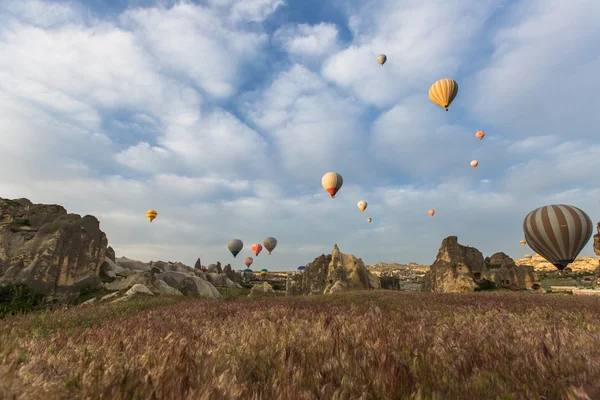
558 233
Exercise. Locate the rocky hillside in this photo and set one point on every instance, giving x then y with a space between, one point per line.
459 268
332 273
49 250
581 264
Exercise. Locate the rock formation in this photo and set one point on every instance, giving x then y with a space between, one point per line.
597 241
232 275
332 273
262 290
49 250
198 264
460 268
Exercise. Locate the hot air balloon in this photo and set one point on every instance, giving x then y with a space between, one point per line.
256 248
474 163
523 242
263 271
332 182
248 273
480 134
248 261
151 214
443 92
203 268
212 268
381 59
369 220
270 243
431 212
557 232
362 205
235 246
301 268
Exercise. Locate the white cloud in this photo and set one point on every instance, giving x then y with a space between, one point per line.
196 42
543 71
308 40
424 42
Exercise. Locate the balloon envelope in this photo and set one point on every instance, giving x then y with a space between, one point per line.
557 232
248 261
151 214
381 59
431 212
523 242
362 205
270 243
369 220
474 163
480 134
301 268
256 248
332 182
443 92
235 246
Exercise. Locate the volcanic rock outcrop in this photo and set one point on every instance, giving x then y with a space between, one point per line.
48 250
460 268
335 272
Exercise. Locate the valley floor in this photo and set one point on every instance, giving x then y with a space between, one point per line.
370 345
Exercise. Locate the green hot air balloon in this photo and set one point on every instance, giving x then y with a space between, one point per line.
558 233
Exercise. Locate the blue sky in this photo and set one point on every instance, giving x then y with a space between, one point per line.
224 114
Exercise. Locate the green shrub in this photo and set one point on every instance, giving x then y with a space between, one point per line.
485 285
19 299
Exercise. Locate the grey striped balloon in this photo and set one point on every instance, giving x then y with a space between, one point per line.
557 232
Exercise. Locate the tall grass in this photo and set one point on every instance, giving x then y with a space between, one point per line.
368 345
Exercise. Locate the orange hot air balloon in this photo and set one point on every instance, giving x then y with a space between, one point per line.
474 163
480 134
151 214
256 248
431 212
332 182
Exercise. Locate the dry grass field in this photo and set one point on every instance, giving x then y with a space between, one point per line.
367 345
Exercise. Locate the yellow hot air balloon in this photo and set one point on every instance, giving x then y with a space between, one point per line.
369 220
151 214
474 163
443 92
362 205
332 182
523 242
381 59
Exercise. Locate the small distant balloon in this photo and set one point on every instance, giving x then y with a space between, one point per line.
151 214
480 134
270 243
474 163
431 212
248 261
256 248
443 92
332 182
369 220
523 242
264 271
362 205
235 246
381 59
301 268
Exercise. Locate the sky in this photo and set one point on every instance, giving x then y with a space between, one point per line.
223 115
